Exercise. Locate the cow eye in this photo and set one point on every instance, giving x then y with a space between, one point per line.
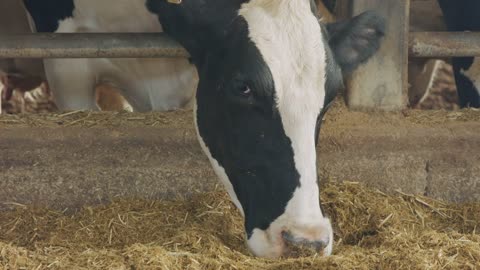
241 93
245 91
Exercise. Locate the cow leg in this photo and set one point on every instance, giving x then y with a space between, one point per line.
467 77
118 77
72 82
150 84
421 77
109 98
177 87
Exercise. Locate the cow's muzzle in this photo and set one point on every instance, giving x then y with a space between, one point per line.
299 246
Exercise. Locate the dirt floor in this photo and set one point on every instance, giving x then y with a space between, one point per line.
372 231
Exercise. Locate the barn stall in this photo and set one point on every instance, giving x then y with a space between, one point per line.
105 190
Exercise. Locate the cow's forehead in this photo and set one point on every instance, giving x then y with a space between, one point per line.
289 38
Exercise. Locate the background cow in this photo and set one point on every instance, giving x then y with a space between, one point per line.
147 84
20 92
267 70
464 15
434 83
15 20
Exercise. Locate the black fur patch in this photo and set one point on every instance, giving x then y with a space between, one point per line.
47 13
463 15
199 26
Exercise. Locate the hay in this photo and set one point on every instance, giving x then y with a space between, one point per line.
88 119
178 118
373 231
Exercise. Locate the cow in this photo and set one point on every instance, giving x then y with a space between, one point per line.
20 82
459 16
23 92
147 84
267 71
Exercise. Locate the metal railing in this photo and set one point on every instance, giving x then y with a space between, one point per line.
444 44
91 45
156 45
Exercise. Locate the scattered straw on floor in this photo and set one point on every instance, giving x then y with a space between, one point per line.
183 118
373 231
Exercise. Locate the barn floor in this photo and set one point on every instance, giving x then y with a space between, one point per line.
373 231
69 166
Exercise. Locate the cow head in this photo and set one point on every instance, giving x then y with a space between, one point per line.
267 70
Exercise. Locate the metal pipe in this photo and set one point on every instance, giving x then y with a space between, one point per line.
157 45
90 45
444 44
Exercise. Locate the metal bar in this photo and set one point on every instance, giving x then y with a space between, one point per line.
90 45
444 44
157 45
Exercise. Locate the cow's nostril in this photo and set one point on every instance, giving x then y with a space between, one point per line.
301 246
288 237
320 245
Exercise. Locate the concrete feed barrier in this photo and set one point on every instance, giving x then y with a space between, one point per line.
70 160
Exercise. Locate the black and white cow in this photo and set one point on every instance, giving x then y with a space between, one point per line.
267 71
464 15
148 84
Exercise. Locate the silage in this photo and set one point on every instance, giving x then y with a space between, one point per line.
372 231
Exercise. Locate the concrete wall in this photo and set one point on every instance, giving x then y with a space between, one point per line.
89 162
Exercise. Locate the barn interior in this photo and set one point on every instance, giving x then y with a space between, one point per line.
118 189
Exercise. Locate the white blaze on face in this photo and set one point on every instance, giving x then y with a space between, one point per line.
289 38
473 73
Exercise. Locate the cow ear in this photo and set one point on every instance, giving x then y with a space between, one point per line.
354 41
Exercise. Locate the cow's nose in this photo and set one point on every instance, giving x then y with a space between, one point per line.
299 246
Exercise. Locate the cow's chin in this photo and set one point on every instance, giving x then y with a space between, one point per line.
270 243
